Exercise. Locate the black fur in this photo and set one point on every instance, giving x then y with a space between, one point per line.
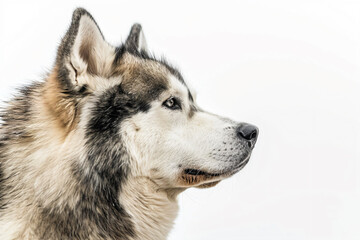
132 42
2 187
98 207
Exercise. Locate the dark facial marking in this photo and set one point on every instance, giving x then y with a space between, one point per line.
192 111
114 106
191 99
107 156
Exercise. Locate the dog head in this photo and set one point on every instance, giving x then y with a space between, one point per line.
138 113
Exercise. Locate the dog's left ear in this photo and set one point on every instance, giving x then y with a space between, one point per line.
136 40
83 52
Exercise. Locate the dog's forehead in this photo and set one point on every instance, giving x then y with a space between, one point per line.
177 87
146 75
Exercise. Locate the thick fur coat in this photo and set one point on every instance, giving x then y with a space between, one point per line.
102 146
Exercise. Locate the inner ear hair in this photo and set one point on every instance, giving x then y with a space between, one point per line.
76 74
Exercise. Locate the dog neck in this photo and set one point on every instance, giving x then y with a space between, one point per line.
152 210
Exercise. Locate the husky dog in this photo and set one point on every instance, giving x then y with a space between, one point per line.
103 146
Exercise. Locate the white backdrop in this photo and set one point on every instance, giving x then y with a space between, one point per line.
290 67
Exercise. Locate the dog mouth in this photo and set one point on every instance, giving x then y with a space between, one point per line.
196 172
202 179
236 168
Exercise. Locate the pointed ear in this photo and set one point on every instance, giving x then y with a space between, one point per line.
136 40
83 51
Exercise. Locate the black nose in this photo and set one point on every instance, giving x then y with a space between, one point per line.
247 131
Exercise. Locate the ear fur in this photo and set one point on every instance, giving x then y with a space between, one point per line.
136 40
83 52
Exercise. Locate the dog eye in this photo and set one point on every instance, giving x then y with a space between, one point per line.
172 103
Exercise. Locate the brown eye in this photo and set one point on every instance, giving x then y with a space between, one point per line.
172 103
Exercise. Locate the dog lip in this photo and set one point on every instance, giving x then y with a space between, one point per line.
240 166
233 170
196 172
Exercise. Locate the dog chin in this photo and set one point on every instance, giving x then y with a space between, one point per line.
201 179
208 185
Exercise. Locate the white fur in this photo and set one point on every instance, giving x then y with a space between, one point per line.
167 139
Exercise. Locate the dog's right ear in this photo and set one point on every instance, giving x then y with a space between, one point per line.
136 40
83 52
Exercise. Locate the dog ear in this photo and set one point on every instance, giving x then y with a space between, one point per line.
136 40
83 51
